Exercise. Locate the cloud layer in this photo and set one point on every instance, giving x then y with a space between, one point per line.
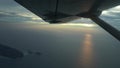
15 17
112 16
10 11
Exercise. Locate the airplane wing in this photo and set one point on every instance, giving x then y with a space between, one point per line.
55 11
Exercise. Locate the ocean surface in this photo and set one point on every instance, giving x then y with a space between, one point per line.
60 46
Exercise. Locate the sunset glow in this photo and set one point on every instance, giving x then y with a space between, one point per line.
80 24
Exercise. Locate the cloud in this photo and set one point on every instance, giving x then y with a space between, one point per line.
15 17
10 11
8 3
112 16
7 14
13 12
112 11
30 18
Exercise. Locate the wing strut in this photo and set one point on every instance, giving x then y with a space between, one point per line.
55 13
113 31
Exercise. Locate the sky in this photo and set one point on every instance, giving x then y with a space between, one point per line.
112 16
12 12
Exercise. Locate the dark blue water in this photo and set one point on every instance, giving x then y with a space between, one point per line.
60 46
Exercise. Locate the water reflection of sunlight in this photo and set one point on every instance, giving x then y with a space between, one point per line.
87 52
80 24
86 59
